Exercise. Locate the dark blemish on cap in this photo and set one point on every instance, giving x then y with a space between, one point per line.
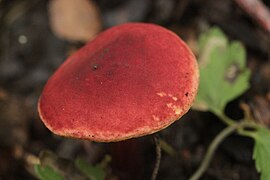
186 94
95 67
186 75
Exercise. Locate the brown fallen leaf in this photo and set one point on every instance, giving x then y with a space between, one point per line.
260 107
74 20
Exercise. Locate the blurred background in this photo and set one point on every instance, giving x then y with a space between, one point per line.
37 36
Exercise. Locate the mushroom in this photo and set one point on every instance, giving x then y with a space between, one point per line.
132 80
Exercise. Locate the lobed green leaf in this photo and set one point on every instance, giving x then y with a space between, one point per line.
223 73
92 172
47 173
261 152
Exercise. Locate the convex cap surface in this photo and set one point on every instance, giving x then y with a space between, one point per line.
132 80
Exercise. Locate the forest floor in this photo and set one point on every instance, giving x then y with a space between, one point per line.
31 50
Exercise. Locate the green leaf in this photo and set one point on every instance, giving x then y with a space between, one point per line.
261 152
92 172
223 73
50 162
47 173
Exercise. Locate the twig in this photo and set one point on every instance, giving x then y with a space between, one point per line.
258 11
158 157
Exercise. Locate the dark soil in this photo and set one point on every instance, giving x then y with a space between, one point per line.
30 53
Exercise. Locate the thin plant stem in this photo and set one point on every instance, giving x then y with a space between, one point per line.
244 122
232 126
225 119
158 157
248 124
243 132
211 150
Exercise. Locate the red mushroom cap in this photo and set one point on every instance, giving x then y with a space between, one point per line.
132 80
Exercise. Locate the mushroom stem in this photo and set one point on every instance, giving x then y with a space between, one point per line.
158 156
127 158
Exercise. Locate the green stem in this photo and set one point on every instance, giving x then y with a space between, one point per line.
248 124
244 123
225 119
212 148
235 126
243 132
